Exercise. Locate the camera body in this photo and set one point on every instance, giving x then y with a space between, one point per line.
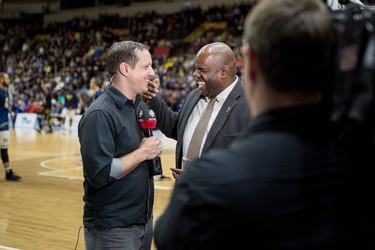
354 80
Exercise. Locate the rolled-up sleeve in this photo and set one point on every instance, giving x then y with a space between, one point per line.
116 168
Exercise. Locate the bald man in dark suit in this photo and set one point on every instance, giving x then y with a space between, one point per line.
215 74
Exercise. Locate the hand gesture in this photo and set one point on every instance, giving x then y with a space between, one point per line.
153 89
176 172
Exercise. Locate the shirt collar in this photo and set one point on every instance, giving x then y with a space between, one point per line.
120 99
224 94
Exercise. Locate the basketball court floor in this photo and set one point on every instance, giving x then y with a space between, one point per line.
44 210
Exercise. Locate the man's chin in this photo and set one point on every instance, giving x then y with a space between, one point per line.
204 93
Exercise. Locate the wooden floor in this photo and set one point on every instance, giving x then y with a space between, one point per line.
44 210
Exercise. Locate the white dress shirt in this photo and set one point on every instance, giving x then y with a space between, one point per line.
197 113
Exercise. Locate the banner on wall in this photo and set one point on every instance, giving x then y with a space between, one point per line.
74 127
26 121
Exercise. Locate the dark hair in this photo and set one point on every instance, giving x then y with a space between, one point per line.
121 52
293 41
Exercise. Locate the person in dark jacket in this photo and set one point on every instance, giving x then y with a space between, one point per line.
118 188
215 74
288 182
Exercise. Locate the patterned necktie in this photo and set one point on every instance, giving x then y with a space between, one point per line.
196 140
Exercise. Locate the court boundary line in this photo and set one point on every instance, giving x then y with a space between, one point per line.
52 171
8 248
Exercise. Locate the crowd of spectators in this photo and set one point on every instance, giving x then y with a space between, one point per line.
71 53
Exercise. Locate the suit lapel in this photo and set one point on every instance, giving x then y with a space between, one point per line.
223 115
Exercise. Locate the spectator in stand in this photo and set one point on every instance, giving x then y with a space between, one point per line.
96 87
31 106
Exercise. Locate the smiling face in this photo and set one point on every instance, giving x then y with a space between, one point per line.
141 72
215 68
208 74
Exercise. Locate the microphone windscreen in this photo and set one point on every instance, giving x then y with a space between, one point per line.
147 119
148 124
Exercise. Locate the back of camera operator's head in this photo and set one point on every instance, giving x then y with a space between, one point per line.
292 41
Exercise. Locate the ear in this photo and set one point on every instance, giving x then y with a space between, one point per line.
253 64
225 71
123 69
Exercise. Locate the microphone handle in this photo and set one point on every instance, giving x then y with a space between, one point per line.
148 132
154 165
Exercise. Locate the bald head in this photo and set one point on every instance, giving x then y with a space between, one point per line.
215 68
222 55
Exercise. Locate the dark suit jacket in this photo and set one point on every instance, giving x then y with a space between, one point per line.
230 121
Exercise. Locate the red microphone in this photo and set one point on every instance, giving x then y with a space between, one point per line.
147 120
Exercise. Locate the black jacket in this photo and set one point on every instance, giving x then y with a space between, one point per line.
290 185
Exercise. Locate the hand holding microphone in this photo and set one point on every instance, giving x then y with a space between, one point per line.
150 147
147 121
